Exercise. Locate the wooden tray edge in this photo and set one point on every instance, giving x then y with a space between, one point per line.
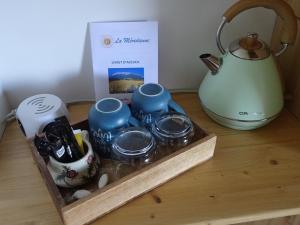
102 202
51 186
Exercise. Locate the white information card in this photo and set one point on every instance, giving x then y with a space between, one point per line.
125 55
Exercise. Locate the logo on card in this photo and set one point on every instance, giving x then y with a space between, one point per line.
107 41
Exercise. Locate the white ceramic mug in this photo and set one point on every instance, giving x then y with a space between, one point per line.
75 173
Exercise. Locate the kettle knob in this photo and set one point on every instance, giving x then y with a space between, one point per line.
251 42
253 36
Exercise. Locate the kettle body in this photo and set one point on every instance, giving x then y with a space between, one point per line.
245 94
242 89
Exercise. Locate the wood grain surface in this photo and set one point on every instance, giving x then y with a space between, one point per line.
254 175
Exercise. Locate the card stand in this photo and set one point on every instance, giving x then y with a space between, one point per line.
119 192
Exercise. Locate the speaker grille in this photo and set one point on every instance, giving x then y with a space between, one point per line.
39 105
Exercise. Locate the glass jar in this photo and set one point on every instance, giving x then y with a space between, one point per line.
133 148
173 131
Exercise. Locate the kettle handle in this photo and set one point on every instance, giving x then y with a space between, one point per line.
282 9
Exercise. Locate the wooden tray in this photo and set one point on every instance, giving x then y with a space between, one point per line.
119 192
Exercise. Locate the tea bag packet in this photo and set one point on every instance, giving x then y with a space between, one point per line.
52 148
62 129
59 141
79 139
42 145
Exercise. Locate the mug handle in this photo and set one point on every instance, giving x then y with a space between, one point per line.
133 121
173 105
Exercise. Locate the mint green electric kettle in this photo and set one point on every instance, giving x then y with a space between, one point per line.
243 89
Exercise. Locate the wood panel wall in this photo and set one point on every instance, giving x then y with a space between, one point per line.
290 63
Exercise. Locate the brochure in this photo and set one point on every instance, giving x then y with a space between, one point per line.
125 56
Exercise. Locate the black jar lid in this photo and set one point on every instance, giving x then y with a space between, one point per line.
133 142
172 125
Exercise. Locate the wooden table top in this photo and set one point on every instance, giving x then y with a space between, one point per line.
254 175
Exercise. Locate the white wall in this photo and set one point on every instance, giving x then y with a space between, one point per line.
44 46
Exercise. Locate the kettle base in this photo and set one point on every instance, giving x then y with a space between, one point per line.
238 124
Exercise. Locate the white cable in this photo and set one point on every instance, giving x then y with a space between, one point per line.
10 116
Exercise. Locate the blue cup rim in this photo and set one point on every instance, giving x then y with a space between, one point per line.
105 99
153 95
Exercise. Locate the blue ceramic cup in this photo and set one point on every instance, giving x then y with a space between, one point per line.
150 101
106 118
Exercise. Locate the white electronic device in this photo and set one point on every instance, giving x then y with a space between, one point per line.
35 112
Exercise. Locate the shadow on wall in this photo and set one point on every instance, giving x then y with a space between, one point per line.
186 30
69 88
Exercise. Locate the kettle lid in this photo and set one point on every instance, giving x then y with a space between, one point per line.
250 48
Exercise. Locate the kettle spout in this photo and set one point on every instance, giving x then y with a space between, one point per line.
212 62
